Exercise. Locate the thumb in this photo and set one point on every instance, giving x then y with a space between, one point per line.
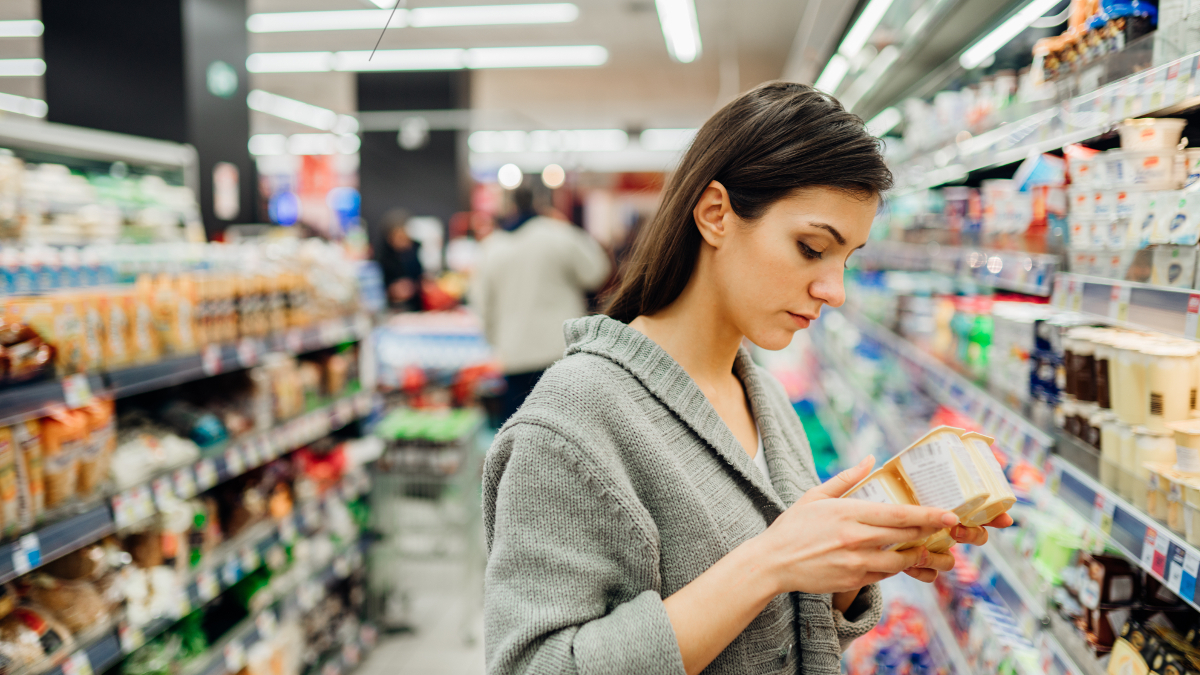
838 485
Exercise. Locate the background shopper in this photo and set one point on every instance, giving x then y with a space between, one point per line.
529 281
400 260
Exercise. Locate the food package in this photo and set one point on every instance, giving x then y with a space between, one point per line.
31 486
29 634
92 312
174 317
82 563
947 469
144 343
24 355
57 320
77 603
64 434
9 517
101 441
114 312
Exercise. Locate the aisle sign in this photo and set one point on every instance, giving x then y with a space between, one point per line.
1187 585
26 553
1162 547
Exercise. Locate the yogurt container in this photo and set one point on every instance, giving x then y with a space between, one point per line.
1001 497
1161 133
1150 169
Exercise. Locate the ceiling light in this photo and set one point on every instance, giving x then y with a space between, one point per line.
536 57
510 176
867 81
492 15
672 140
561 140
290 62
885 121
26 106
291 109
22 67
424 17
268 144
680 28
993 41
400 59
835 71
21 28
553 176
864 26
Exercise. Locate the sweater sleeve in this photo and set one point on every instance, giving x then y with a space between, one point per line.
864 613
571 581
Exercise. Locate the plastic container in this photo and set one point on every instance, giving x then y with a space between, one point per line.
1128 455
1157 487
1151 447
1160 133
1130 383
1110 451
1150 169
1001 497
1191 166
1187 447
1114 169
1170 384
1087 171
1191 504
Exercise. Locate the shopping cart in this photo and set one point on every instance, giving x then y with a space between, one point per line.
425 511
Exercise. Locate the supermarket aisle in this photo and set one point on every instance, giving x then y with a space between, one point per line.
436 646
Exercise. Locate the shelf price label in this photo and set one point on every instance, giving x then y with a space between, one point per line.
1162 547
26 553
250 558
231 571
1118 302
185 482
77 391
265 622
1148 548
210 360
130 637
247 352
163 493
287 529
294 341
1175 569
1187 584
1102 515
206 585
1193 311
235 462
77 664
235 656
206 474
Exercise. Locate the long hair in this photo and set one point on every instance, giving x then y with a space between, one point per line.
771 141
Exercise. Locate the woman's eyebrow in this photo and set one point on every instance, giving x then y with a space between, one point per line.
829 228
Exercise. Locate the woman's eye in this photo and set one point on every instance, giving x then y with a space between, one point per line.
809 252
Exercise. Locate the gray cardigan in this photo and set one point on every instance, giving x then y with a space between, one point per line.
614 486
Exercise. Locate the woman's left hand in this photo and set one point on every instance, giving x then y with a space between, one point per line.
944 562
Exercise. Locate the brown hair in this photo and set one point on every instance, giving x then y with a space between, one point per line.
770 142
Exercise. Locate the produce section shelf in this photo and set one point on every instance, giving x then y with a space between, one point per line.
1029 273
1140 538
1156 92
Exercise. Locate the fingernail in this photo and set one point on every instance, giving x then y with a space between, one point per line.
949 519
959 532
924 558
866 460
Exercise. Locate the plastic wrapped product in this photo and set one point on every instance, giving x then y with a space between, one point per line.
885 487
1001 497
76 603
31 633
99 446
63 436
31 488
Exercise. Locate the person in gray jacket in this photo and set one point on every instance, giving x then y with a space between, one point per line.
653 507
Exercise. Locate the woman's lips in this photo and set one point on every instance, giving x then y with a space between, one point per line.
801 321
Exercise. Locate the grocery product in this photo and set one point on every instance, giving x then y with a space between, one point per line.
64 435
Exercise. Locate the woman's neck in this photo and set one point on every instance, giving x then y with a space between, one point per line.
695 332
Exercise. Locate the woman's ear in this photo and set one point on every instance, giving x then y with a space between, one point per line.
712 213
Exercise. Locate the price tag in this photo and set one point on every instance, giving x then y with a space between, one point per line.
131 638
26 553
1162 547
77 391
1193 309
265 449
1187 585
1148 548
265 622
206 585
185 482
1175 569
1102 515
235 656
287 529
294 341
1171 91
183 604
1058 297
77 664
210 360
120 506
235 462
250 559
206 474
231 571
247 352
163 492
143 502
1075 295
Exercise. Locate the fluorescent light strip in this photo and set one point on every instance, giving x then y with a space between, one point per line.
672 140
428 59
1004 33
424 17
303 144
680 28
576 140
25 106
884 121
22 67
835 71
858 35
866 82
21 28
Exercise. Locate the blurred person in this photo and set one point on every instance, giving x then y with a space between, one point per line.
400 260
654 507
526 284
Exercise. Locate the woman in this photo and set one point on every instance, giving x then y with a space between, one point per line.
653 506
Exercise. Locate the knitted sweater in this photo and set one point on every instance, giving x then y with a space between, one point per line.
614 486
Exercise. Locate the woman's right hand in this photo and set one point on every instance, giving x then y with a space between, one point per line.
823 544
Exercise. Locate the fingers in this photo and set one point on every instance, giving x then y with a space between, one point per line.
939 562
902 515
1001 521
894 562
839 484
877 537
976 536
922 574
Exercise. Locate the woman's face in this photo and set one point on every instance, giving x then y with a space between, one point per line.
777 272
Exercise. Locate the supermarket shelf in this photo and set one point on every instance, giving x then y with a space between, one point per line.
53 541
1167 89
38 399
942 631
865 408
1070 647
133 505
1029 273
1012 430
1128 303
72 141
1132 532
